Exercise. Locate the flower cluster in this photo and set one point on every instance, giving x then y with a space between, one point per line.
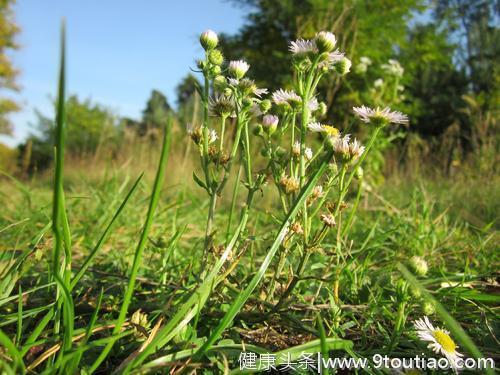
320 53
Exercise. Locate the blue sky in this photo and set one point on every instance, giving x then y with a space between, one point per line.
117 51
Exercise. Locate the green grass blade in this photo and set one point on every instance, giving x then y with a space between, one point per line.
243 297
454 327
58 199
160 176
188 309
104 235
12 350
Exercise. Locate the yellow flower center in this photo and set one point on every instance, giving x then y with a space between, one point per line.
444 340
331 131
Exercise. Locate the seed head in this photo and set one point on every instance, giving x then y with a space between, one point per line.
328 220
289 184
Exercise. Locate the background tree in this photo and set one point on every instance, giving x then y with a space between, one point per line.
155 113
90 126
188 100
8 74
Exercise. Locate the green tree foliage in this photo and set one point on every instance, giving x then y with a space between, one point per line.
89 127
155 113
188 100
435 84
371 28
8 74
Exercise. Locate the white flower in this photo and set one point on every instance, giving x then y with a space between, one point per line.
308 153
329 130
313 104
316 127
325 41
365 60
380 116
238 68
209 39
260 91
341 145
302 46
439 339
378 82
393 67
333 58
285 97
355 149
212 136
190 128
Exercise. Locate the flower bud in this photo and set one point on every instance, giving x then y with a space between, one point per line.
201 64
209 39
270 123
265 105
247 103
428 308
220 83
264 151
238 68
215 57
325 41
215 70
343 66
419 265
322 108
358 173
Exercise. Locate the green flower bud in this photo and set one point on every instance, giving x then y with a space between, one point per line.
215 70
343 66
220 83
215 57
322 109
358 173
201 64
325 41
419 265
428 308
209 39
265 105
264 152
333 167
